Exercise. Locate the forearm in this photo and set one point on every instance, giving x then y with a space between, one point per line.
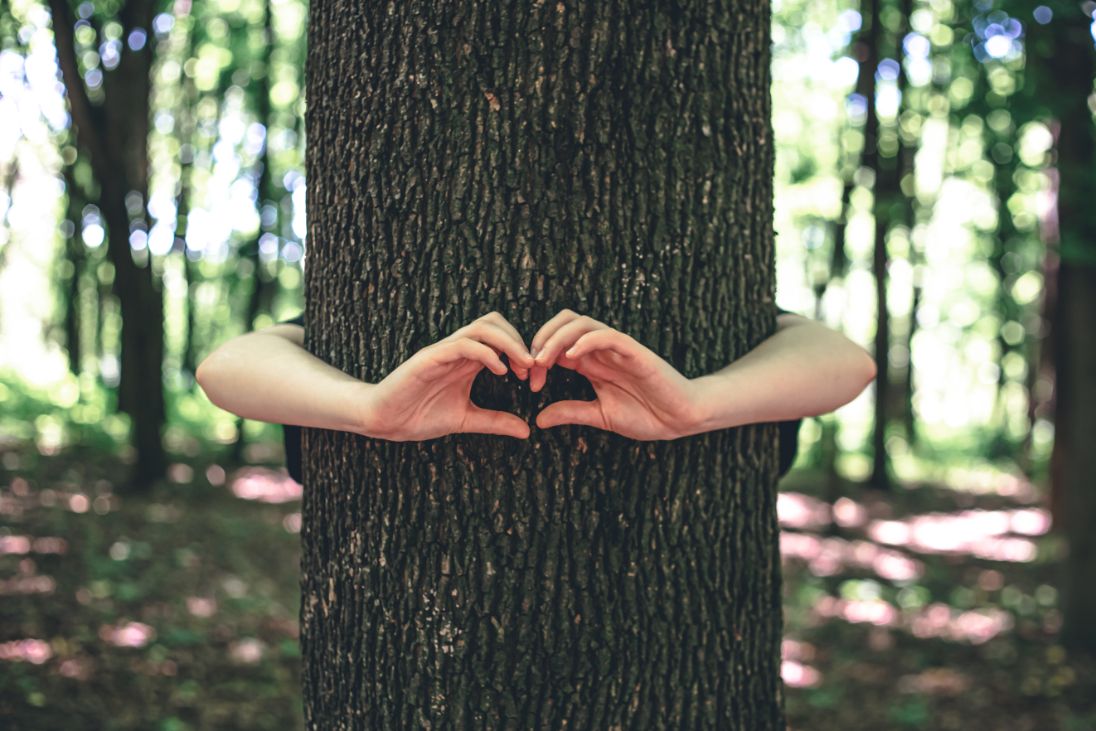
269 378
803 369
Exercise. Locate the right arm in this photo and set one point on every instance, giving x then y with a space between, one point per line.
267 375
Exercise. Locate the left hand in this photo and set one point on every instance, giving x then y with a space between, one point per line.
639 395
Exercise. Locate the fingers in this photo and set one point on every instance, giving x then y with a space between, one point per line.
564 337
521 367
604 339
496 318
537 376
549 328
487 421
502 341
538 373
448 351
571 412
494 330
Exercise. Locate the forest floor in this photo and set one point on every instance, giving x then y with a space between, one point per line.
929 607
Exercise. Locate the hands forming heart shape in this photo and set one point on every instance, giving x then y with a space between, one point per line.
639 395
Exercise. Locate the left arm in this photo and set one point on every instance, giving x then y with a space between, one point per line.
802 369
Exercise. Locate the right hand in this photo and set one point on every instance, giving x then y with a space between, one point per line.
427 396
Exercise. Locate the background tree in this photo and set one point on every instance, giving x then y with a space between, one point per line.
1063 57
525 159
113 134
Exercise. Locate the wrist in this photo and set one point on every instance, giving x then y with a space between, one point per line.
360 399
710 408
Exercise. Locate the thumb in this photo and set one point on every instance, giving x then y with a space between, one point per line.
571 412
488 421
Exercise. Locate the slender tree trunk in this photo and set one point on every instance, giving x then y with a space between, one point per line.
529 157
74 253
881 192
1040 359
261 292
114 137
1071 61
187 127
263 287
906 206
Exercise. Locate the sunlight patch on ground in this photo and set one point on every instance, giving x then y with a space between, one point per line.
981 533
798 675
247 651
130 634
75 668
830 556
935 620
794 667
29 650
27 581
201 606
265 485
25 544
796 510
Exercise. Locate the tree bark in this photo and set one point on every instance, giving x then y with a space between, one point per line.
528 157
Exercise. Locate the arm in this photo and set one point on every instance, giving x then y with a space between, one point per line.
803 369
268 375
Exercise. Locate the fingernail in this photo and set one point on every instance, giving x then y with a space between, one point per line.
533 351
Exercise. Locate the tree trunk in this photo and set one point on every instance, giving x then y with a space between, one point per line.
186 124
906 214
881 193
114 137
1071 62
263 286
74 253
525 158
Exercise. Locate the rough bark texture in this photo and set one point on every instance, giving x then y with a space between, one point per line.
527 157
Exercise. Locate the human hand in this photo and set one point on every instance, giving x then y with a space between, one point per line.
639 395
427 396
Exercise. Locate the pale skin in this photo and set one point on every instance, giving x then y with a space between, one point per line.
803 369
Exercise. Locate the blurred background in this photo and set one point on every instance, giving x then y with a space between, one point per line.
935 201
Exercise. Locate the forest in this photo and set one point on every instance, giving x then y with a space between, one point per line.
934 199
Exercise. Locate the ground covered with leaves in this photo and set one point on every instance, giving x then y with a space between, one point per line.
924 608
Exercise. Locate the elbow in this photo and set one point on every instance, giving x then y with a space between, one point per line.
869 368
203 374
